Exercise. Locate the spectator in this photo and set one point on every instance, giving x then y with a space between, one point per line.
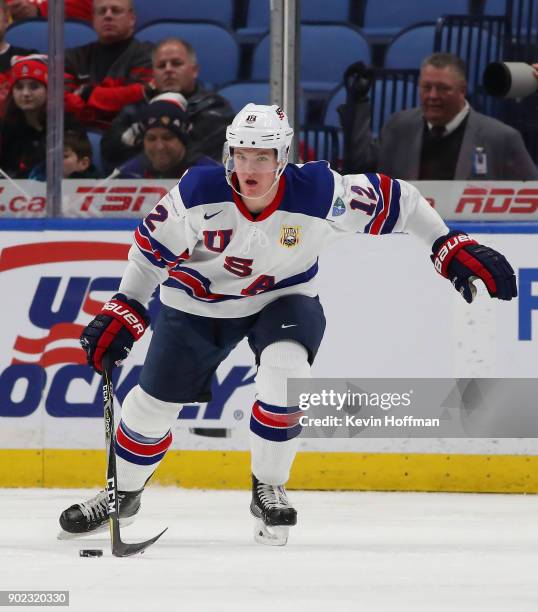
166 138
29 9
106 75
175 69
7 52
78 156
24 129
444 139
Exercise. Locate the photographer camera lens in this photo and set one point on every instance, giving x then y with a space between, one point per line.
510 80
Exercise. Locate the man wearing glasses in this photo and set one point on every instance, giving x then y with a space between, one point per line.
107 75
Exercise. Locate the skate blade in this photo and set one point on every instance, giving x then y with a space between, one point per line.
270 535
104 528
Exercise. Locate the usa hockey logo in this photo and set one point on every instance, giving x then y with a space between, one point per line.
289 235
280 113
44 366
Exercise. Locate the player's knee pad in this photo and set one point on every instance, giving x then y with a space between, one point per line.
278 362
147 415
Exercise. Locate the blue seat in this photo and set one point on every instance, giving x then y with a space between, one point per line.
326 51
95 141
317 142
388 96
321 10
410 47
216 47
199 10
241 93
494 7
34 34
385 19
478 41
258 16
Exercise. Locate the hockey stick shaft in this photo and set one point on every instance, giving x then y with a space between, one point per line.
119 548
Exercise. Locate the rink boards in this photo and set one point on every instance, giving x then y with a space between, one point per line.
388 313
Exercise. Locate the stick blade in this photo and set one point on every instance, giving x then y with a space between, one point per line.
124 549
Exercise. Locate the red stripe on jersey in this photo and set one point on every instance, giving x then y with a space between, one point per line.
197 286
139 448
143 242
273 419
385 184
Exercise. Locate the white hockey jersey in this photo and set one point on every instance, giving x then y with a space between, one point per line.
212 258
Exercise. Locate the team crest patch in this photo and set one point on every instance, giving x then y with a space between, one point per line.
289 235
339 208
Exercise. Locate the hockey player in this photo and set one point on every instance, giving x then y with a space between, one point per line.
235 252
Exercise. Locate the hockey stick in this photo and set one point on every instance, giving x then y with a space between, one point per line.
119 548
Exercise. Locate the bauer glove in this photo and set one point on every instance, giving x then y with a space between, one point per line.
113 331
462 260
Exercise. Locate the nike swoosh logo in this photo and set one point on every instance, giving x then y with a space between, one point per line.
206 216
284 326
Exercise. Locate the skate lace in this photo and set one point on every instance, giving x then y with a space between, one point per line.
95 508
272 496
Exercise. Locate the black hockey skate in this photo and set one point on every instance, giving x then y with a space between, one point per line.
92 515
274 514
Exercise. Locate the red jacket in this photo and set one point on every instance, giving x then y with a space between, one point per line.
74 9
95 92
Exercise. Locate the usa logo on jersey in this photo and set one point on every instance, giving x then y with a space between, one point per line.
289 235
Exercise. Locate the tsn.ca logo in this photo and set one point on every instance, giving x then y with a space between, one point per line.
498 200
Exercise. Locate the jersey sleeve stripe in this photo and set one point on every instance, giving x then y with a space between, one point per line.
154 251
374 181
394 213
388 208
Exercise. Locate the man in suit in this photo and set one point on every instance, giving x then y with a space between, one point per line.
446 139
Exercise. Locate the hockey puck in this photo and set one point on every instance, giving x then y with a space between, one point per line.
90 552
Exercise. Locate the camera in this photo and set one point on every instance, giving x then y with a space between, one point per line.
510 79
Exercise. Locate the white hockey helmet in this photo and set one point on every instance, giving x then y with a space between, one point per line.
259 126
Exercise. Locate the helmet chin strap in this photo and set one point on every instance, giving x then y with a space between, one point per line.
278 174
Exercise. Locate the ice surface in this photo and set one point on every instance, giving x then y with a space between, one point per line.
350 551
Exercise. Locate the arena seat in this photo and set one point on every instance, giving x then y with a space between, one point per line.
241 93
389 95
216 47
326 51
385 19
258 16
34 34
477 40
148 11
411 46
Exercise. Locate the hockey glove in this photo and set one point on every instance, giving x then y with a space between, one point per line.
461 259
113 331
